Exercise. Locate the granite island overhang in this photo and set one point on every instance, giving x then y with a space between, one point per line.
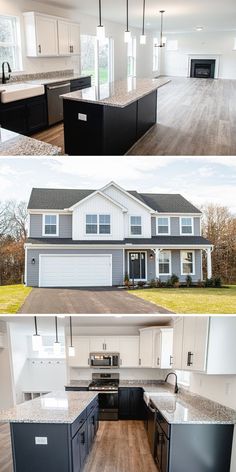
109 119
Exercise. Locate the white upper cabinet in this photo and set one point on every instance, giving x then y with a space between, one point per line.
195 337
129 351
177 343
82 350
68 38
146 348
49 36
156 345
104 344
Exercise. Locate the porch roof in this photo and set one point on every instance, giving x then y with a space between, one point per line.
149 242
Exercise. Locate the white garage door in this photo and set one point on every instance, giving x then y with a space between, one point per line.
75 270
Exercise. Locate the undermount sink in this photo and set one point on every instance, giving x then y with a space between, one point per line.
11 93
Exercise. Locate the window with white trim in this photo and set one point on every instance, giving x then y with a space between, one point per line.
135 225
10 42
164 262
50 227
155 55
186 225
163 225
98 224
131 53
187 262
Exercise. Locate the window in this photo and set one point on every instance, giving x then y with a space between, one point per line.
135 225
164 262
163 226
187 262
104 224
186 226
91 224
131 51
97 58
10 49
155 55
50 225
172 45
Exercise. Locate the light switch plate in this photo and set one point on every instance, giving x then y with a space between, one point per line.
82 117
41 441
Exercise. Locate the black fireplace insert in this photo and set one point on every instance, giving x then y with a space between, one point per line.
203 68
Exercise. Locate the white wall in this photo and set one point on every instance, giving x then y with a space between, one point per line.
88 26
175 63
76 373
6 392
19 352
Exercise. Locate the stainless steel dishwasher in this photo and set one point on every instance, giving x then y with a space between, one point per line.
151 419
55 103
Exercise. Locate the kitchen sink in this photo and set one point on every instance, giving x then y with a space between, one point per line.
11 93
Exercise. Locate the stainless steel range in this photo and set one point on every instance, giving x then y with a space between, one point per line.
107 385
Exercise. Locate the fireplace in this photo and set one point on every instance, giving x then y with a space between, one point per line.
203 68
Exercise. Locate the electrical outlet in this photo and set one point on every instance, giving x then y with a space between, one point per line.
41 441
82 117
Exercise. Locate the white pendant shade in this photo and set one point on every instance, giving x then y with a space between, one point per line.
100 32
127 36
143 39
57 347
36 342
164 39
71 351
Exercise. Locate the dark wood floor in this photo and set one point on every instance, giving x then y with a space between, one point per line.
120 446
195 117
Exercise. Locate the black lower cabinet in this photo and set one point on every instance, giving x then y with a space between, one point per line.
131 404
192 447
25 116
76 389
58 447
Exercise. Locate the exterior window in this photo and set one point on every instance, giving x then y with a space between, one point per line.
135 225
164 262
186 226
131 51
187 262
50 225
104 224
91 224
155 55
97 58
10 50
163 226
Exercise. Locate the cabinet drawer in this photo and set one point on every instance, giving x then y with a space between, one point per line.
92 405
78 423
78 84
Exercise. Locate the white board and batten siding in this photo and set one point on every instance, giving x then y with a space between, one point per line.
87 270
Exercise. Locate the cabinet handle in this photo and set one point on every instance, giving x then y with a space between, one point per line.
120 361
72 49
83 438
40 49
158 361
105 347
171 360
139 361
189 358
88 361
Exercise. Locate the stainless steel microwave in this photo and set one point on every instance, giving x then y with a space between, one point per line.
101 360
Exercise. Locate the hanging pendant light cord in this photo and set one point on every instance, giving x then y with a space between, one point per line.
144 7
36 327
127 13
161 12
70 332
56 329
100 12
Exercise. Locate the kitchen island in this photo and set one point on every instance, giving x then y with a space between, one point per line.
53 433
15 144
109 119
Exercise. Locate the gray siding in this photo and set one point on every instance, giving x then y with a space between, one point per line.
154 226
174 226
33 269
65 226
197 226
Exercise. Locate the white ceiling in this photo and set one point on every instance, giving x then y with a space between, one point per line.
180 16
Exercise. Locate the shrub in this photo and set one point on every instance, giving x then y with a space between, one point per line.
200 283
141 283
153 283
174 280
169 283
217 282
127 282
189 280
209 283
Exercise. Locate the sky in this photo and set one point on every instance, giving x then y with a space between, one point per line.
201 180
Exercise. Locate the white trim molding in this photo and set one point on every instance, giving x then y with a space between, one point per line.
169 230
103 195
57 225
215 57
193 262
180 225
146 266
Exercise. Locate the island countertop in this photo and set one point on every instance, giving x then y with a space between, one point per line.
55 407
117 94
14 144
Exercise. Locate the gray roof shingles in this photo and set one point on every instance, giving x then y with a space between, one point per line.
60 199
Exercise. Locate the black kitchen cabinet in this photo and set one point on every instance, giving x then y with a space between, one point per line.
131 404
79 84
93 423
80 448
24 116
76 389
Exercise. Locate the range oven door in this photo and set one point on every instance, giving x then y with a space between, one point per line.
108 405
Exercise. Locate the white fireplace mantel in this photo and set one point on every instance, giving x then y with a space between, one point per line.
215 57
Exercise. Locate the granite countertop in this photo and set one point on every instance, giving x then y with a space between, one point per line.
79 383
55 407
14 144
117 94
56 79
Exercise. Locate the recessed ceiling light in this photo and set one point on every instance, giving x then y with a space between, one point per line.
199 28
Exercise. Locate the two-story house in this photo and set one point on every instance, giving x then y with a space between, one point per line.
82 238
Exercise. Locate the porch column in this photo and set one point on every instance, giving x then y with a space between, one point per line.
209 265
157 252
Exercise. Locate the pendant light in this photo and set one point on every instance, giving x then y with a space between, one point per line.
100 27
127 37
36 338
71 349
162 38
57 344
143 36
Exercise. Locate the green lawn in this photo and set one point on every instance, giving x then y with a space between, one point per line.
192 300
12 297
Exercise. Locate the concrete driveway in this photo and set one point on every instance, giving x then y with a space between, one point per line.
86 300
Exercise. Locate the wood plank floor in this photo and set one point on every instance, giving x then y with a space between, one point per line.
5 449
195 117
120 446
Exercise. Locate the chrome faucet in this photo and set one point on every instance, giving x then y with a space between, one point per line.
4 77
176 384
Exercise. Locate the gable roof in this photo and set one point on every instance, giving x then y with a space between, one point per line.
60 199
